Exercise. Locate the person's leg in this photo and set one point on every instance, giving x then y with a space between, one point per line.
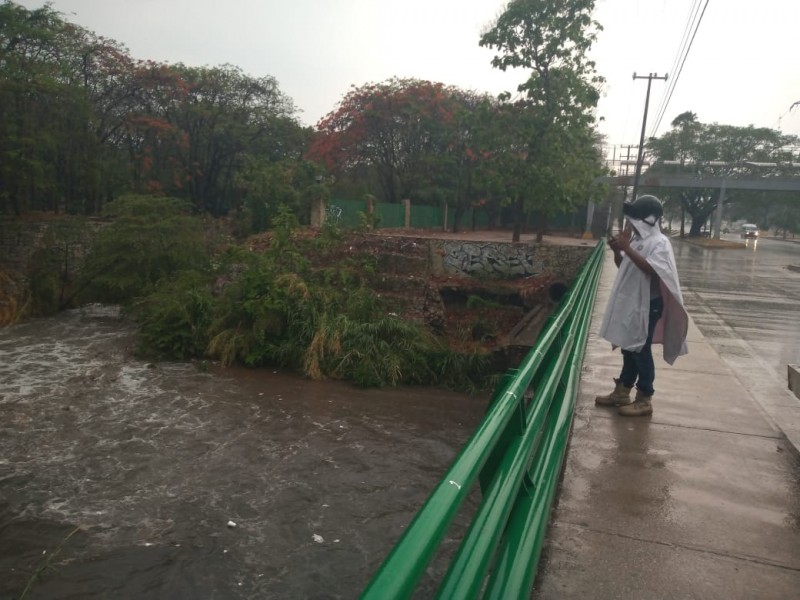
630 369
644 358
623 384
645 367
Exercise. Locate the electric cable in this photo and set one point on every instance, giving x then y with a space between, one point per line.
683 48
690 17
671 88
687 28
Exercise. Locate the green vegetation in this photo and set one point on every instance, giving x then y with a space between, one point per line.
324 322
158 149
149 241
271 308
548 151
82 123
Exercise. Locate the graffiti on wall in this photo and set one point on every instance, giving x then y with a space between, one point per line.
491 259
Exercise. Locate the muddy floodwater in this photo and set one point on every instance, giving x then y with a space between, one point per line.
192 483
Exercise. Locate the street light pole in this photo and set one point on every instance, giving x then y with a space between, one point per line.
649 78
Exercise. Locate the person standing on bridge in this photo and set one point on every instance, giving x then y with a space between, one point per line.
645 306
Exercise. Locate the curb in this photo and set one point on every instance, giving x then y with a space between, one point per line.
794 379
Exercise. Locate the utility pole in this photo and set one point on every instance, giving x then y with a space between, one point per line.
649 78
620 216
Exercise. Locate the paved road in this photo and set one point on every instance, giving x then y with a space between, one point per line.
746 302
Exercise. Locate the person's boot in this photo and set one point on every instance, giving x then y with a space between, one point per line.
640 407
620 396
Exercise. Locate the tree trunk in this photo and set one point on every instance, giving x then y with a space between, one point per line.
540 231
696 228
517 220
457 214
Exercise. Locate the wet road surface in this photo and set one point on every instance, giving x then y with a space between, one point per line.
747 292
152 462
746 302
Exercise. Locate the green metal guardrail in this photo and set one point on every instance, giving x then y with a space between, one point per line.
516 454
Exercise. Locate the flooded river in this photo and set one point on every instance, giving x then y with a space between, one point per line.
188 483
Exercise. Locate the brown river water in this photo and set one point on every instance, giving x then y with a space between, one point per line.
156 462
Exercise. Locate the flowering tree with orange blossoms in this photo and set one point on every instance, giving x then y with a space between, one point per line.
81 122
401 131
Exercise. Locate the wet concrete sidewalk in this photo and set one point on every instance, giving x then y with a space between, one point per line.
701 500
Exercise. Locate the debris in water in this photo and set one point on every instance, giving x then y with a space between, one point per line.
231 524
318 538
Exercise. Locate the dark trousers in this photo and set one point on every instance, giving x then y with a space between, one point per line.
638 367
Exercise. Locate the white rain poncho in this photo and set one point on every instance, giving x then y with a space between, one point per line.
626 317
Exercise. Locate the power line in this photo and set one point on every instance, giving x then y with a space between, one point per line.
691 18
671 88
693 22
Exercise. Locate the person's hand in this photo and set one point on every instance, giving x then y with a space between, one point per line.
622 242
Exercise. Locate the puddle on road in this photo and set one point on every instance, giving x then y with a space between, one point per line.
153 461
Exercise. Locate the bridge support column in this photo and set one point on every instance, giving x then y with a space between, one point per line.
718 216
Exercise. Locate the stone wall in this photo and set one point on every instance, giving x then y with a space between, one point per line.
507 260
65 240
493 260
18 243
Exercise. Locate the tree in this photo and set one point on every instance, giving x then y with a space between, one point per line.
150 240
225 114
714 150
81 122
267 186
64 93
398 130
33 98
554 117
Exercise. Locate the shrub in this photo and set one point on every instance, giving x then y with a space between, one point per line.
149 241
174 320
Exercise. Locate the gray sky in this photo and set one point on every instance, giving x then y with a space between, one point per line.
741 70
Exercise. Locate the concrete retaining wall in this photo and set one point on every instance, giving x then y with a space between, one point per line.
507 260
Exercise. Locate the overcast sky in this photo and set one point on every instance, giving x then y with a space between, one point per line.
742 68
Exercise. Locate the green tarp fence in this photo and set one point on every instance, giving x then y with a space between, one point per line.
349 214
